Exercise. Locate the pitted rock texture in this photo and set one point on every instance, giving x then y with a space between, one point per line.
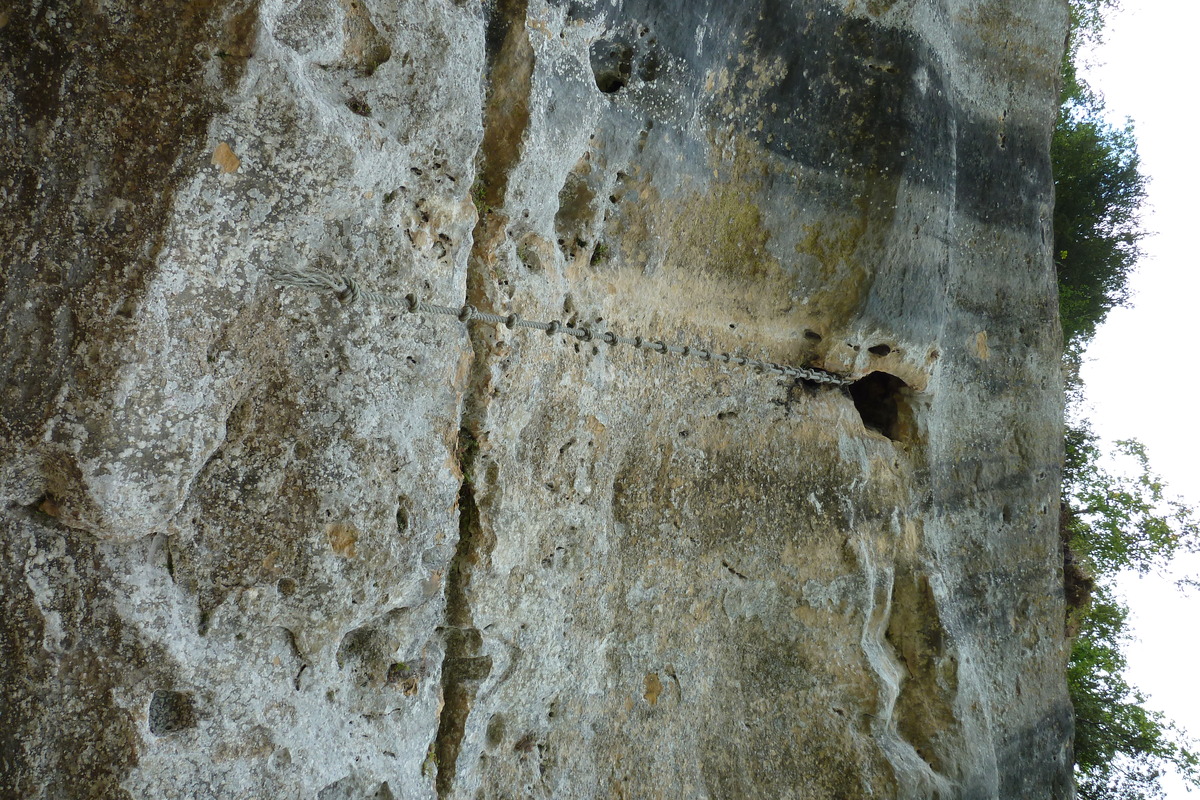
261 542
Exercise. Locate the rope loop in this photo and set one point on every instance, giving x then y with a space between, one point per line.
349 295
609 337
412 302
555 325
587 335
466 314
511 320
660 347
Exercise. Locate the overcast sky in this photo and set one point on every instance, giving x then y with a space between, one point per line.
1140 382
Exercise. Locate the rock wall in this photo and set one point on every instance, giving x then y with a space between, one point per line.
259 542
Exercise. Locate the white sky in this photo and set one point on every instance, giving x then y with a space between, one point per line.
1140 380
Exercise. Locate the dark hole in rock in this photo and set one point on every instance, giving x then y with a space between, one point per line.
612 64
402 515
650 67
879 350
882 401
359 106
170 712
812 336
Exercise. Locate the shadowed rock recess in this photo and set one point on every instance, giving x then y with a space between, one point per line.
257 542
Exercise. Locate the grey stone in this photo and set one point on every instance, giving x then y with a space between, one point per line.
261 542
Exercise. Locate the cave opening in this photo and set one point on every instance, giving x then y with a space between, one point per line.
882 401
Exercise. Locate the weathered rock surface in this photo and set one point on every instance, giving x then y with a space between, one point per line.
261 543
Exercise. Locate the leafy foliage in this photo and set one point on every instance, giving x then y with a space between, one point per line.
1111 522
1129 522
1120 745
1118 522
1099 191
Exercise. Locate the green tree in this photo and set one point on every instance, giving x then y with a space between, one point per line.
1099 192
1111 523
1122 521
1117 522
1121 747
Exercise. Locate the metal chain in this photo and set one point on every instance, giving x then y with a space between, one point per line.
349 292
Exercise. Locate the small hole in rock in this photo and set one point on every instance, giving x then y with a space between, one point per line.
883 403
879 350
359 106
286 586
170 712
812 336
612 65
650 67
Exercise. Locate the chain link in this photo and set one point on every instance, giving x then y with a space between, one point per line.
349 292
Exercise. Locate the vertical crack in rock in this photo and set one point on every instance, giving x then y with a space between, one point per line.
506 117
506 110
463 668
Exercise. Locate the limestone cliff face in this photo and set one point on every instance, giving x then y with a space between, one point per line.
258 542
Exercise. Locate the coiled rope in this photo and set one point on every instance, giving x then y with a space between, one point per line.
348 291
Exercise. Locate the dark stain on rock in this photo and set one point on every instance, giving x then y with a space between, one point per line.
925 709
64 733
170 712
94 97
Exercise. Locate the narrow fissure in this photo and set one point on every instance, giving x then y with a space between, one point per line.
509 68
463 668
